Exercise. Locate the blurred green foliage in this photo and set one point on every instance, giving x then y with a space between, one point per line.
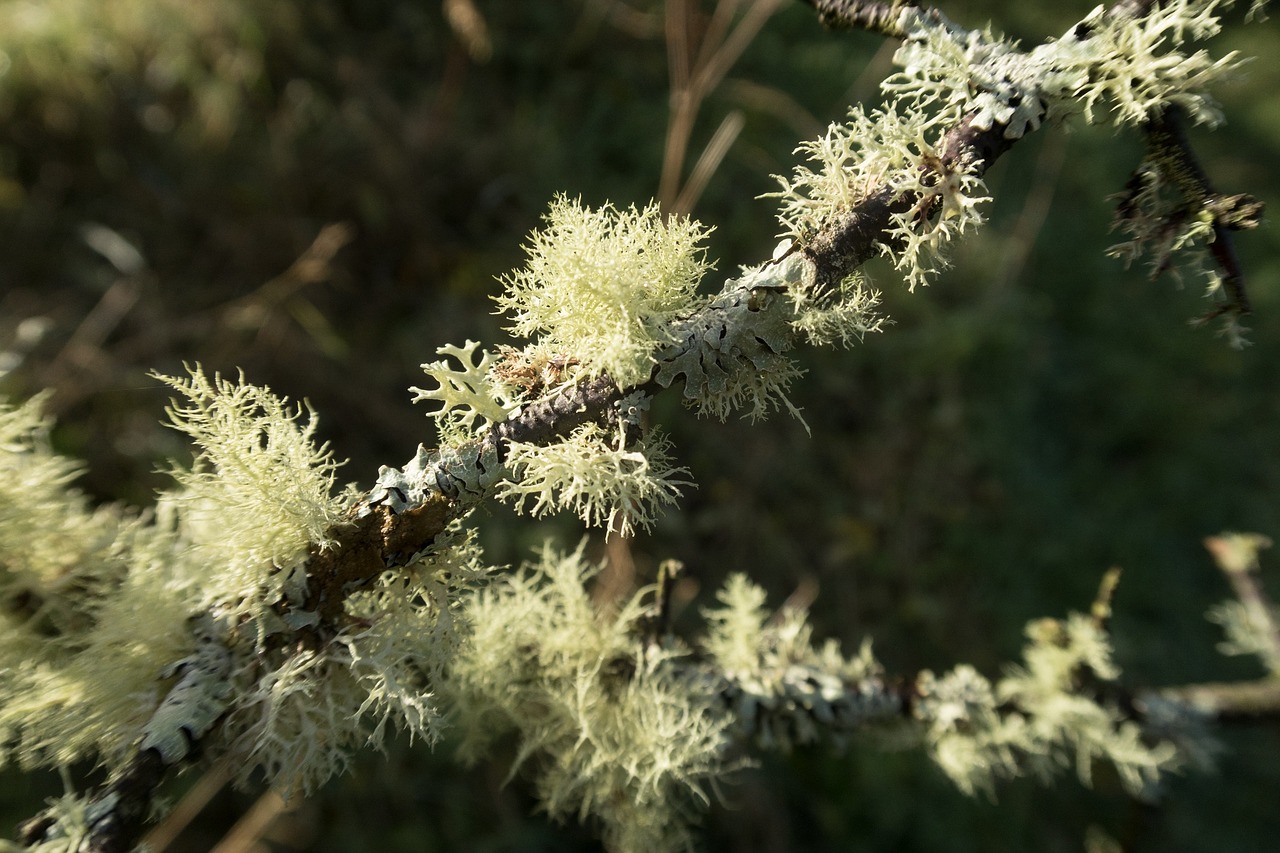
322 193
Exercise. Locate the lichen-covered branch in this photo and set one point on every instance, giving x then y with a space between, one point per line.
902 182
1198 214
877 17
295 622
610 716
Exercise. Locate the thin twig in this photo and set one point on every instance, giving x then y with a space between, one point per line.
721 141
1224 702
192 803
245 835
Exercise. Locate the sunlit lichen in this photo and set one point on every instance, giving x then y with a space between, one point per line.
298 714
1037 719
891 150
258 495
602 285
840 317
464 394
608 732
596 474
1113 67
78 667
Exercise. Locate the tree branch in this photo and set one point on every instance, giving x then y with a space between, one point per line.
1170 152
744 329
881 18
1236 701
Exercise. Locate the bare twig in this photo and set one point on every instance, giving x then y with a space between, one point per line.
469 26
244 837
1237 701
192 803
693 78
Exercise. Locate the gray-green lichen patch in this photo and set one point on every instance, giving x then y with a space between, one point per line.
732 353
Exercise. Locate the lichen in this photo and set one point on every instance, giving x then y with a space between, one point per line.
733 353
465 394
598 475
603 285
607 730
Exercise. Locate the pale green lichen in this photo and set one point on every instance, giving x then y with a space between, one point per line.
300 713
77 668
1110 67
966 737
232 539
295 719
1037 719
1244 633
596 474
783 689
840 316
608 732
603 285
259 494
1138 66
893 149
73 817
55 550
466 394
735 629
1152 218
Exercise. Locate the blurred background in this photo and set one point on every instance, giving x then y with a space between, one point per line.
321 193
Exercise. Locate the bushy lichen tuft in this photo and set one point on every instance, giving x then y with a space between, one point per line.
55 549
78 671
596 474
896 150
258 495
1138 67
1038 718
603 285
841 316
608 732
299 713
